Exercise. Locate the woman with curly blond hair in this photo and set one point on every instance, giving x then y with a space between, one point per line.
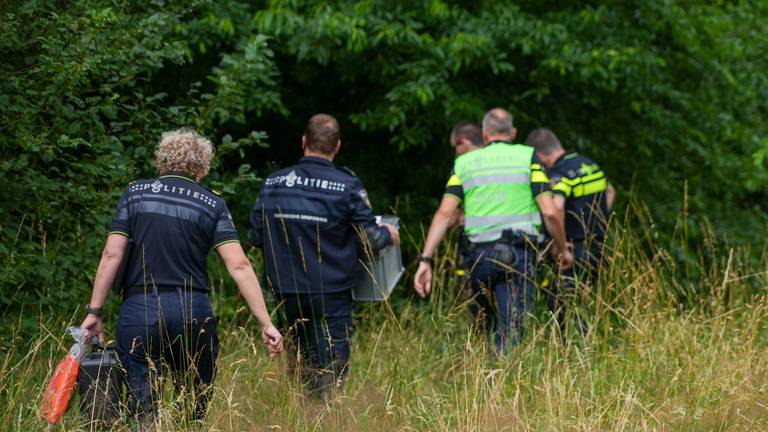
166 226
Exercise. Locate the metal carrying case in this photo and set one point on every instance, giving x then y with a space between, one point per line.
100 386
382 274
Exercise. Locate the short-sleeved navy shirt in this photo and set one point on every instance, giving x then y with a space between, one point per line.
173 223
582 183
313 221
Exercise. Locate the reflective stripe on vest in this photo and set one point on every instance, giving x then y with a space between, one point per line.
491 227
510 168
489 236
497 191
584 185
497 178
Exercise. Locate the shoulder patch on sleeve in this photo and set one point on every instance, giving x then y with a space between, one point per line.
347 170
364 196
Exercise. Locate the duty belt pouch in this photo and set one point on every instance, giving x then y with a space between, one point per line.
504 249
100 386
504 253
514 238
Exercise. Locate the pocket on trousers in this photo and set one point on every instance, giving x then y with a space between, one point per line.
139 310
137 333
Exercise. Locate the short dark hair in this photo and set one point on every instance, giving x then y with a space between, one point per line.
470 131
498 121
544 141
322 133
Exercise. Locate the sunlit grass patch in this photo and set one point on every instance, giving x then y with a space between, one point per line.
648 362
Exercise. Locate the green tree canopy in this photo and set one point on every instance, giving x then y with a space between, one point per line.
668 97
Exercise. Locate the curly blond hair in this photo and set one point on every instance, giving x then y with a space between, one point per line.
184 150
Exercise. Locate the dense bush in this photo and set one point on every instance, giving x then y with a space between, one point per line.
669 97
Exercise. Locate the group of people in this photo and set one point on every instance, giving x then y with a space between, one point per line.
314 224
519 202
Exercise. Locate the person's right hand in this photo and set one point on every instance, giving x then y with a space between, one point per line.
92 323
422 282
393 233
272 339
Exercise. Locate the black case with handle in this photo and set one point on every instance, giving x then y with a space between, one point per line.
100 386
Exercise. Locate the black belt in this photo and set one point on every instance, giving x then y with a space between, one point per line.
483 244
136 290
518 241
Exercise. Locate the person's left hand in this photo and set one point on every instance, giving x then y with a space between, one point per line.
273 339
92 323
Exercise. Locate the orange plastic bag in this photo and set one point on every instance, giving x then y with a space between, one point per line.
59 391
56 397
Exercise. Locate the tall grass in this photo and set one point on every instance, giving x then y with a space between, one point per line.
663 353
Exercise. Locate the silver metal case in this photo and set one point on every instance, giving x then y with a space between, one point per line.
383 273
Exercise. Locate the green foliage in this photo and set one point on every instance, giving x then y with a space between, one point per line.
659 92
83 101
668 97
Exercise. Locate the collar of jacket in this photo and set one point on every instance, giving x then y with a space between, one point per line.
316 160
178 174
497 142
567 155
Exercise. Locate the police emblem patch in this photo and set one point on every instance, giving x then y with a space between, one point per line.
364 196
231 221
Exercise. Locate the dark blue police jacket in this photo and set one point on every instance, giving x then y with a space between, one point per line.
314 221
173 222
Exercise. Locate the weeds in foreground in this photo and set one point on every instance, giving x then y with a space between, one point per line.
648 363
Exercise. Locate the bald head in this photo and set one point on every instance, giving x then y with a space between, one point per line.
497 126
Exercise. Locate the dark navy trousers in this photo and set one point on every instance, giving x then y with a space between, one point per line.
318 328
168 332
512 288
